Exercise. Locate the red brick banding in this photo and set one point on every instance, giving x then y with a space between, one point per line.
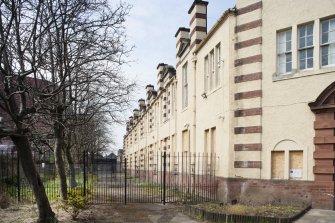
324 170
248 164
324 154
247 43
248 26
249 8
324 140
248 112
198 29
248 147
198 16
248 77
248 95
248 130
197 41
248 60
324 124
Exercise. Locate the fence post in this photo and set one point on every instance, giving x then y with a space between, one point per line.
18 179
164 178
84 161
125 180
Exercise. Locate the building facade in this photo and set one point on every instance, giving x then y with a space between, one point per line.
258 91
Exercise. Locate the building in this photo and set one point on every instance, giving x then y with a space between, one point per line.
257 90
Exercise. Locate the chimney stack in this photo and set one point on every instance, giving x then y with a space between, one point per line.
149 88
182 41
136 113
141 104
198 22
131 121
160 81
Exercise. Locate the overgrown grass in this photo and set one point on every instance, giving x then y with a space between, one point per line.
269 210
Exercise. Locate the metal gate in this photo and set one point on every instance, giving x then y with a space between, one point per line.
153 178
141 178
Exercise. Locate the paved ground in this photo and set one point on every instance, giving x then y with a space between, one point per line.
158 213
318 216
131 213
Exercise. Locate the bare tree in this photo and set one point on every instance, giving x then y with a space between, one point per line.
57 57
20 32
86 47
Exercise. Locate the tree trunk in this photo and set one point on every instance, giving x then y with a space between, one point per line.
59 143
24 151
73 182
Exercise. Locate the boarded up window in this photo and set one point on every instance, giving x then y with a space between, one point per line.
296 158
186 141
277 164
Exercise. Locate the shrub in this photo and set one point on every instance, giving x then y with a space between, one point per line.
76 202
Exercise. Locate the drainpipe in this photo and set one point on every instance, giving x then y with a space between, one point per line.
194 60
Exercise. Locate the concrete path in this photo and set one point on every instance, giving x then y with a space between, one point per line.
318 216
158 213
131 213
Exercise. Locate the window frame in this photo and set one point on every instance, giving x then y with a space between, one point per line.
285 53
206 74
185 86
328 43
306 47
218 65
212 69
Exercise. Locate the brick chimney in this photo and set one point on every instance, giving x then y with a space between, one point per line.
198 22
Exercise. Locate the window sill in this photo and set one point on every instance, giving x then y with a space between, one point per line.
303 73
165 121
213 91
328 66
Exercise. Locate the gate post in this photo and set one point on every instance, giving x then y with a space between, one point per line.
125 180
84 177
164 178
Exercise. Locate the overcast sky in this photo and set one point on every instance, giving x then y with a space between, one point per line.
151 27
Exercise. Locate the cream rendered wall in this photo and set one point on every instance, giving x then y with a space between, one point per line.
287 120
215 110
250 103
185 116
168 128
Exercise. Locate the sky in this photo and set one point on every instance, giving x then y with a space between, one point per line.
150 27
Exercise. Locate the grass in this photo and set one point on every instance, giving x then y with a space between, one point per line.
51 186
269 210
